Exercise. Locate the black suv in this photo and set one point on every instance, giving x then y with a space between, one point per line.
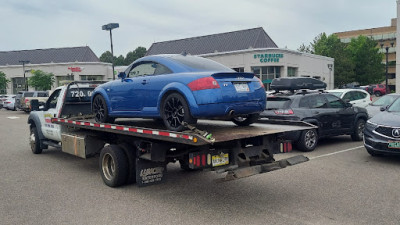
329 113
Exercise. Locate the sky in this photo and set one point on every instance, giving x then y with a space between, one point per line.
41 24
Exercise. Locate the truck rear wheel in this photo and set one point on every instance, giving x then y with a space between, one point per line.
130 152
34 141
114 166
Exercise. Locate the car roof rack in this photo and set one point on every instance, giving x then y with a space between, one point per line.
296 83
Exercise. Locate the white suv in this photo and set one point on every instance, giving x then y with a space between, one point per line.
357 97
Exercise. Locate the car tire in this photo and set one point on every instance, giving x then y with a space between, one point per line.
100 110
175 110
377 93
113 166
34 141
246 120
358 130
308 140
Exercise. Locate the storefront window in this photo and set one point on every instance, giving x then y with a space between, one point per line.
291 72
267 73
91 77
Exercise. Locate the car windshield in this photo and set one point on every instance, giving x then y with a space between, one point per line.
385 100
337 93
395 107
278 103
202 64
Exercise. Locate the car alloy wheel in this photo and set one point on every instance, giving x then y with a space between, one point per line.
100 110
175 111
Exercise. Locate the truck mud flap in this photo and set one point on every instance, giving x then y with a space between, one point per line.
149 173
264 168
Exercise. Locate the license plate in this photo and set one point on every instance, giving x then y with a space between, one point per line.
220 160
241 87
394 144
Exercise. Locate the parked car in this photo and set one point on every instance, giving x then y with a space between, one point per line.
356 97
180 88
27 96
330 114
3 98
382 132
377 89
9 103
383 102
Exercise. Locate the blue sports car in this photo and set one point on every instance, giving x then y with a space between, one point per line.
180 88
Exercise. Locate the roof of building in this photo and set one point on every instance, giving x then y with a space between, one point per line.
223 42
51 55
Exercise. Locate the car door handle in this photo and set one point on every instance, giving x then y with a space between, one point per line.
144 82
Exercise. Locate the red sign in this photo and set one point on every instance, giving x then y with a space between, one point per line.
75 69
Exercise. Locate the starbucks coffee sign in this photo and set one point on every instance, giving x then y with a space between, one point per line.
270 57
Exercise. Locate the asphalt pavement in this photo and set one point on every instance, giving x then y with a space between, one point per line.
341 184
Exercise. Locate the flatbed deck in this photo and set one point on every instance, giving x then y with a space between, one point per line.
221 131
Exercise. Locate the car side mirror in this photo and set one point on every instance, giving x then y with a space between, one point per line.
122 75
383 108
348 105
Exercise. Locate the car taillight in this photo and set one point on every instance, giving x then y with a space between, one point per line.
284 112
370 98
26 100
7 102
203 83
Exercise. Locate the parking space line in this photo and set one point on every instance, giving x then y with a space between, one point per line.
13 117
334 153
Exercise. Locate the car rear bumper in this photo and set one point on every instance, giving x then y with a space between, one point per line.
228 109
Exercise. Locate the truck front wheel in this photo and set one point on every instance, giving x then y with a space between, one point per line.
114 166
34 141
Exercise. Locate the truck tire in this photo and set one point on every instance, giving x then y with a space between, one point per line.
113 166
100 110
245 120
34 141
308 140
130 152
358 130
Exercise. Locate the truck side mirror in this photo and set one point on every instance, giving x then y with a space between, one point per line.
122 75
34 105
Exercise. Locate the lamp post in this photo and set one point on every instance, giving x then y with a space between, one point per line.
109 27
23 68
330 66
387 62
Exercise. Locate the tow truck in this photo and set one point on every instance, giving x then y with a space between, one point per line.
138 150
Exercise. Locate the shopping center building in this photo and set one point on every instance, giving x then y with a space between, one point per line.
75 63
252 50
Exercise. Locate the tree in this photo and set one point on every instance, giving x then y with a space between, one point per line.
368 60
331 46
121 61
139 52
41 81
358 61
3 83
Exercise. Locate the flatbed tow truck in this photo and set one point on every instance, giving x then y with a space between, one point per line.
138 150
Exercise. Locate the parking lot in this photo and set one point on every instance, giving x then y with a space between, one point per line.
341 184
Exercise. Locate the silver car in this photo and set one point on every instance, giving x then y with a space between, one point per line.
383 102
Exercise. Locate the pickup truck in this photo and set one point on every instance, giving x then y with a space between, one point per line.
138 150
28 96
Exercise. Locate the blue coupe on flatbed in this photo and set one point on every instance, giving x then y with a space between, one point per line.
180 88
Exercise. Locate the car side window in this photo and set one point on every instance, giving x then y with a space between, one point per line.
313 102
52 101
148 68
349 96
335 102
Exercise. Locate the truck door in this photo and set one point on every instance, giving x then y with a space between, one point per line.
53 104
